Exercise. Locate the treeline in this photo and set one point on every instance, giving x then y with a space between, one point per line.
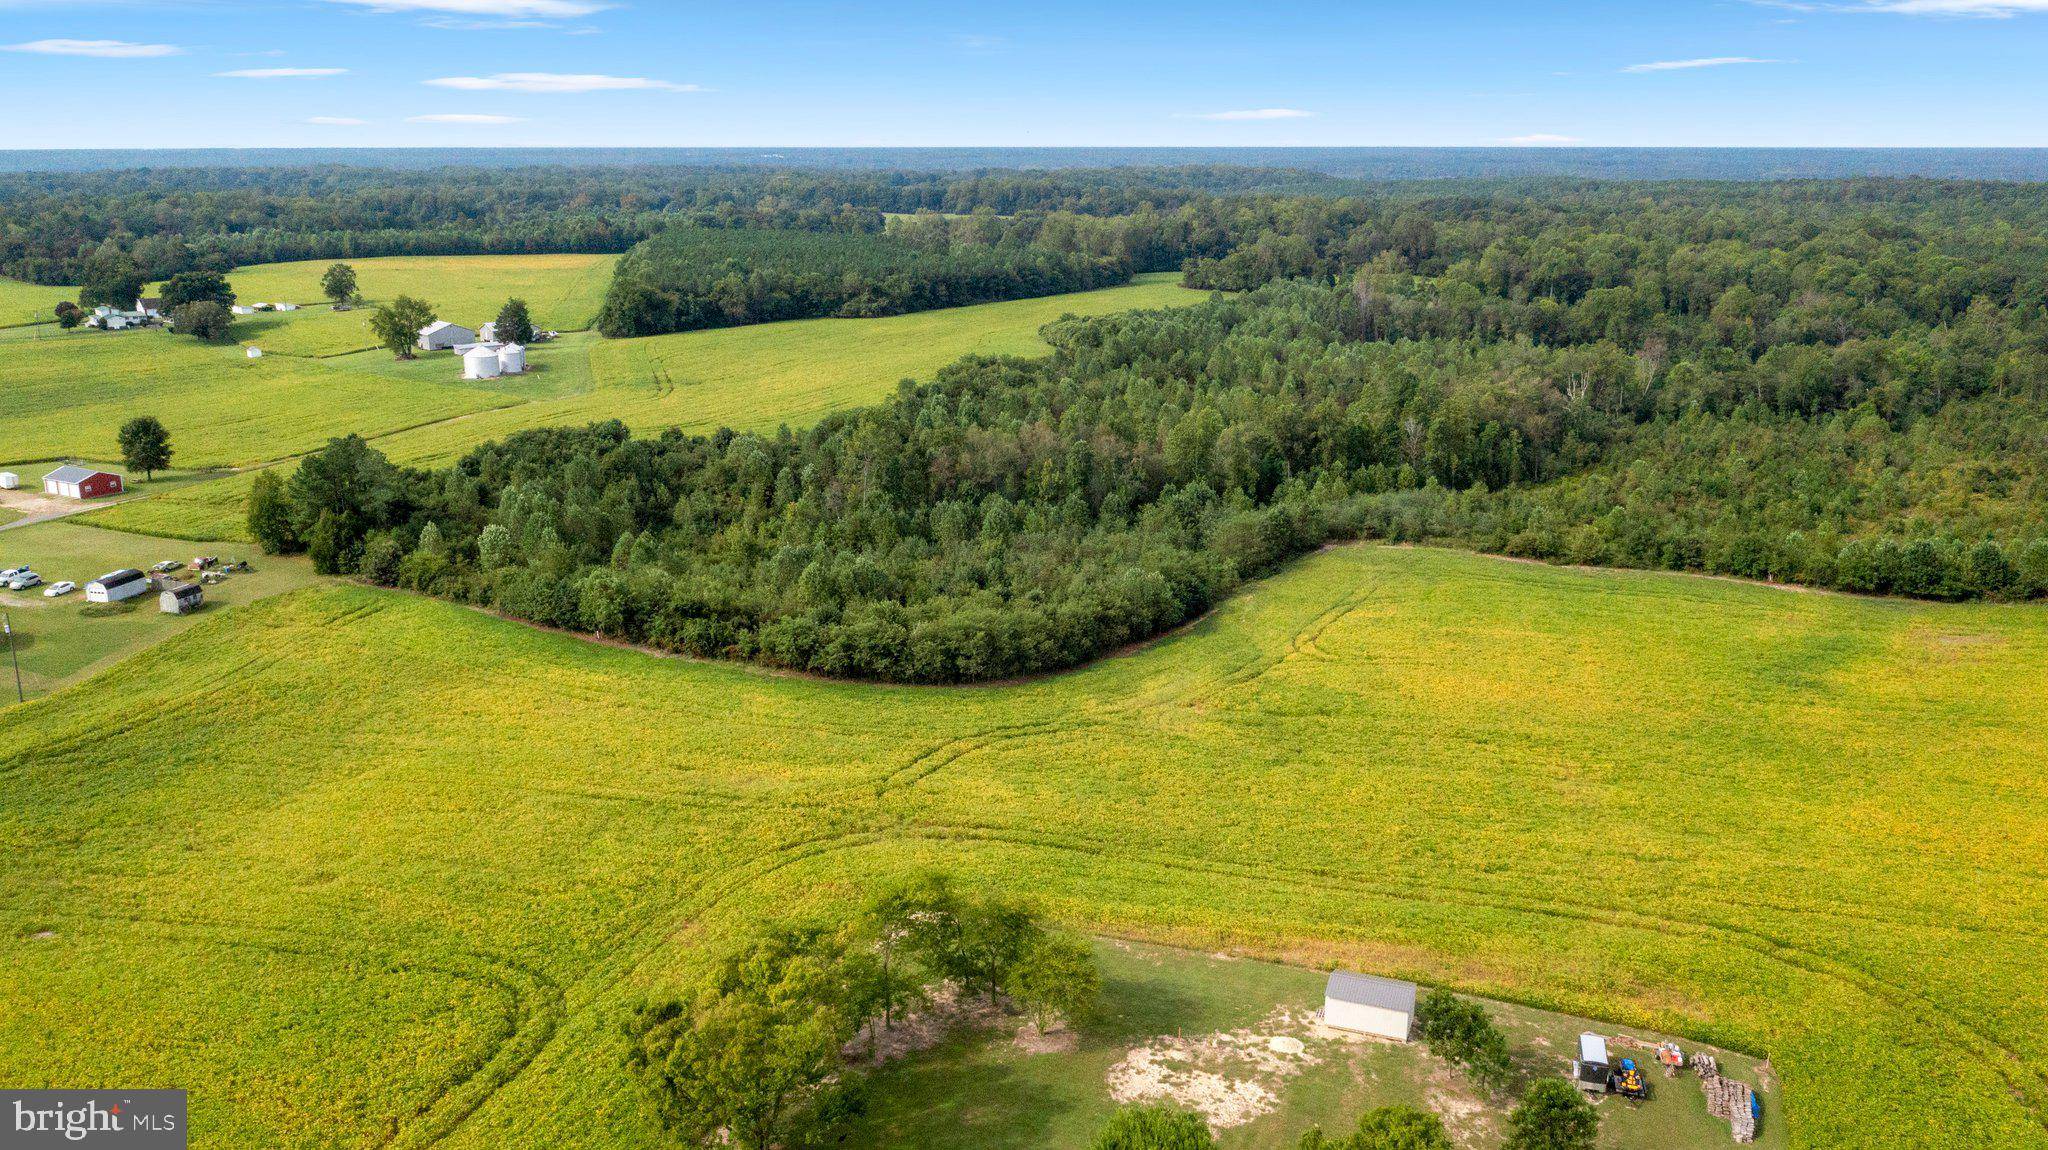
1016 516
691 277
174 220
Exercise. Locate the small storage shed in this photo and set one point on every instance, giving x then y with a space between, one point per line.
115 586
442 335
255 353
1369 1005
180 598
480 362
73 482
512 359
9 481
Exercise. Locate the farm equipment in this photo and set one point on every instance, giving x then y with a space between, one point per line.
1629 1081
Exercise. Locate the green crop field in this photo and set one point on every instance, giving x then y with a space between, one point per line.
563 292
66 394
747 378
357 867
24 303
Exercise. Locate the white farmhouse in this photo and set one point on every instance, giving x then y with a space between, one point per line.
1369 1005
444 336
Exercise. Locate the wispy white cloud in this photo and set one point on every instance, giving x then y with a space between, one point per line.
1251 114
1701 62
463 118
1539 139
336 121
487 9
555 83
105 49
1987 9
281 73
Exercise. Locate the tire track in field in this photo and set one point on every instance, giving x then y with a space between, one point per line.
180 706
537 1004
2029 1086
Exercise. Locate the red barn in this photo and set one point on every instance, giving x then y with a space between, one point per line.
81 483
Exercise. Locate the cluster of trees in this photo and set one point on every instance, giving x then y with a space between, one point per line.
696 277
1014 516
763 1052
1460 1031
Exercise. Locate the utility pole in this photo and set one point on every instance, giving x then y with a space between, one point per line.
7 625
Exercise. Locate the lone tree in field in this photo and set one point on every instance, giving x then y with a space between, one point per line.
397 325
338 283
69 315
514 325
145 445
1385 1128
1153 1128
1554 1116
207 319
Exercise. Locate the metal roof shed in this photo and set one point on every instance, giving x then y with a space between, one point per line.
1369 1004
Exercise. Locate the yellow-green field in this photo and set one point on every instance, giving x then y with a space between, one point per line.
562 291
361 868
25 303
66 394
745 378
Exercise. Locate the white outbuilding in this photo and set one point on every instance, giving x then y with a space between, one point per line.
512 359
115 586
255 353
481 362
242 309
441 335
287 307
1368 1004
9 481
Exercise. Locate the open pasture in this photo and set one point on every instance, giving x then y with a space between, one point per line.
343 824
26 303
748 378
66 394
563 293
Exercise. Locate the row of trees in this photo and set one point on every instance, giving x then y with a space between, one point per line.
696 277
763 1052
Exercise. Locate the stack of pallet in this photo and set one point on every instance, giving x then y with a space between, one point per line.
1726 1098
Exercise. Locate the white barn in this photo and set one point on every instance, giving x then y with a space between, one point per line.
115 586
444 336
1368 1004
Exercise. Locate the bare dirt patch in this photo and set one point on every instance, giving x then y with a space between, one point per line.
1228 1077
1059 1040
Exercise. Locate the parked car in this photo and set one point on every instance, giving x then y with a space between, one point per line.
24 581
167 565
60 587
10 573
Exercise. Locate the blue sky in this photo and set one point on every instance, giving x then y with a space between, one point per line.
281 73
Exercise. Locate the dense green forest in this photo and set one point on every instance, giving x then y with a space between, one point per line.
1014 516
182 219
689 277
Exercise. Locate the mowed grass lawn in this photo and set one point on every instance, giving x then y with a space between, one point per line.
563 292
26 303
62 640
258 860
981 1089
747 378
66 394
